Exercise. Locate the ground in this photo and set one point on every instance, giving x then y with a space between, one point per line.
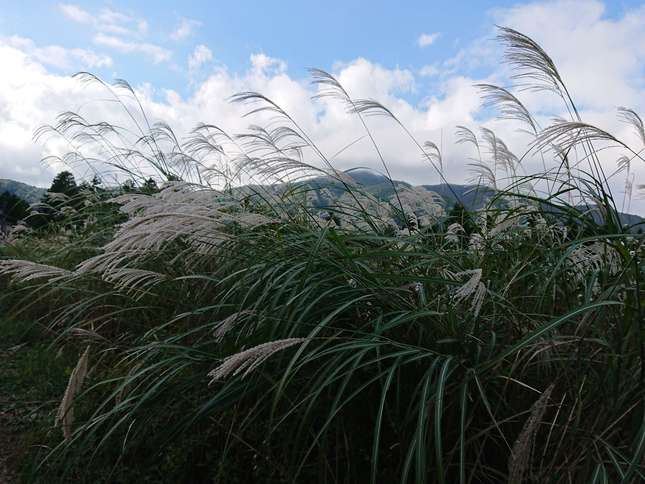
9 446
33 375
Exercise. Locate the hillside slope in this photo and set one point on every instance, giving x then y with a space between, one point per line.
29 193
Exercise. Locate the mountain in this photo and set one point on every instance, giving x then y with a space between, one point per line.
28 193
472 197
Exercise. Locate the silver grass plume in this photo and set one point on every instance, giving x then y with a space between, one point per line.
247 361
519 461
225 325
134 281
452 233
473 289
65 414
593 257
24 271
508 105
632 118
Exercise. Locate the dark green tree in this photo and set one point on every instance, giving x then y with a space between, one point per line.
460 214
12 209
64 183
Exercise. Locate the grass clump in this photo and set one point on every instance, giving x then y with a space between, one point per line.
271 333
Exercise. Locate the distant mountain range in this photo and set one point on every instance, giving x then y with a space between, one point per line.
28 193
473 197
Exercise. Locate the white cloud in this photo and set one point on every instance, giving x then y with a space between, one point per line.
117 30
200 56
76 13
156 53
265 65
426 40
106 20
430 71
600 58
184 29
61 57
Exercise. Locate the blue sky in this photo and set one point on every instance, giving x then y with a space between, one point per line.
420 58
304 34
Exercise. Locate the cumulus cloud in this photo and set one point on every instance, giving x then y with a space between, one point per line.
426 40
601 58
184 29
200 56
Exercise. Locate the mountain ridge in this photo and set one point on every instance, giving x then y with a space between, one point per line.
28 193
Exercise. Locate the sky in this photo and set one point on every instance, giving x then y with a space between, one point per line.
421 59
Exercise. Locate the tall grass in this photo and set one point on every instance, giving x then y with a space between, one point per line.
250 333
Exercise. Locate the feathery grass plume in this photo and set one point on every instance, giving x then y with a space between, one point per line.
24 270
595 256
433 153
504 222
452 233
509 106
519 461
247 361
533 66
226 324
466 135
565 135
631 117
473 289
65 414
199 216
134 281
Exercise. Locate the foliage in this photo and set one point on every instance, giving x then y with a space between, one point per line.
12 208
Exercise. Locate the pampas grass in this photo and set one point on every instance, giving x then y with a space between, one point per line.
349 335
65 414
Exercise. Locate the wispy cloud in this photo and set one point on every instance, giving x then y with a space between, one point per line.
61 57
200 56
117 30
154 52
106 20
425 40
76 13
429 71
184 29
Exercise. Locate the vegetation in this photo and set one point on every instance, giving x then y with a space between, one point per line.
28 193
12 209
227 330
